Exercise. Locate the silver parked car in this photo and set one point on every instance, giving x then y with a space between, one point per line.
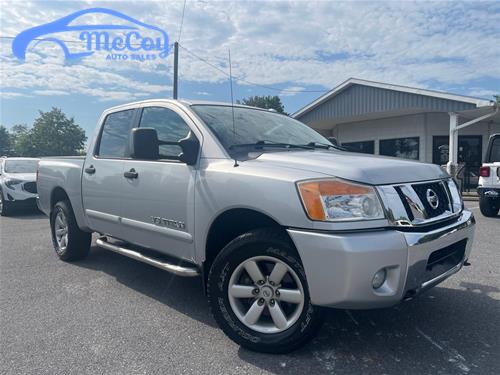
275 219
17 184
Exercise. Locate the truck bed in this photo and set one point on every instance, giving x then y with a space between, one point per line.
63 172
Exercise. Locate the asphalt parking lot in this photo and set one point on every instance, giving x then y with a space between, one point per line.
111 315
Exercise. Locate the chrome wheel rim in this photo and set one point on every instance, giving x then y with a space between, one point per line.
266 294
61 231
1 202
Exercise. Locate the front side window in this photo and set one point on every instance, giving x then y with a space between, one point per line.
170 128
254 125
115 134
406 148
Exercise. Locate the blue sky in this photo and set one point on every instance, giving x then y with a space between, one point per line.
299 47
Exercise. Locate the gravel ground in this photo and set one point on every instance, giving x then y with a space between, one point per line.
111 315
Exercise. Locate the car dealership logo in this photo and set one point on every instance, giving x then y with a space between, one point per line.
124 39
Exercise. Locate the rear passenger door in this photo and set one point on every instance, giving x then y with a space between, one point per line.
102 180
158 204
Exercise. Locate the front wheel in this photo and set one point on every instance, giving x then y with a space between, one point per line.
70 242
5 206
258 293
488 208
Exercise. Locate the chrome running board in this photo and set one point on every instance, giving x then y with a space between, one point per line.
172 268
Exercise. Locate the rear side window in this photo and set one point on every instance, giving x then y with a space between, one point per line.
115 134
495 150
169 126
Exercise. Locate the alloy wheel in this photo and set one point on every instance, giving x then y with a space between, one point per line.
61 231
266 294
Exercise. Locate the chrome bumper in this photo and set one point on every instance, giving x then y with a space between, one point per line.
340 266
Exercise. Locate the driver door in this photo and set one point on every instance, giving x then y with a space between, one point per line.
158 202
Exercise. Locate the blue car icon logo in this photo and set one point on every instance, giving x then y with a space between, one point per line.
121 37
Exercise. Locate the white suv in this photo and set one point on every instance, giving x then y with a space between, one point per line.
17 184
489 180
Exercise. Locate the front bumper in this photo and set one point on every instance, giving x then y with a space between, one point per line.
18 196
340 266
489 193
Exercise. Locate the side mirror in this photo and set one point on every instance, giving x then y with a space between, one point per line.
144 144
333 141
190 149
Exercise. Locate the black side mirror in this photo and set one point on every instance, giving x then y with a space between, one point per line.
190 149
144 144
333 141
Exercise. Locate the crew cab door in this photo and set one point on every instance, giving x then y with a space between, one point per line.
158 195
102 179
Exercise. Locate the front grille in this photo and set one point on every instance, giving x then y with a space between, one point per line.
444 259
30 187
414 204
443 200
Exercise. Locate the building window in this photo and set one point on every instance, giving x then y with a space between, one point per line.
406 148
440 149
365 147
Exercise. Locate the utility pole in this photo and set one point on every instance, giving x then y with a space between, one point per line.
176 68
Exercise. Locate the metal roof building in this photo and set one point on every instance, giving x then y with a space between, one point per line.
401 121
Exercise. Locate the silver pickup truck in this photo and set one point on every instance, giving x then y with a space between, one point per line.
277 222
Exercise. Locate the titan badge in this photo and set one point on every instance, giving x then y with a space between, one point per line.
162 222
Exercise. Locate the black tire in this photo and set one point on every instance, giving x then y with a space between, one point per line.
78 241
487 207
6 208
261 242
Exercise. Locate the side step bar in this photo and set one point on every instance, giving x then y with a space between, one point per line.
177 270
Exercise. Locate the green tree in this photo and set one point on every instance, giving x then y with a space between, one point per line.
53 133
4 141
267 102
20 140
497 98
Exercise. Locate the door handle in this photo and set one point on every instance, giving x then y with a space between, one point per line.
131 174
90 170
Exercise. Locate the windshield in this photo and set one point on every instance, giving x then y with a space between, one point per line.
253 125
20 166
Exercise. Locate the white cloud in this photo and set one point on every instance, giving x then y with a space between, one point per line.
488 94
50 92
290 44
12 95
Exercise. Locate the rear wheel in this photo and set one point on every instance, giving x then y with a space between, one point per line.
258 293
70 242
488 207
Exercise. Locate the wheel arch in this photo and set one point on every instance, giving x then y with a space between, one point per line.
58 194
230 224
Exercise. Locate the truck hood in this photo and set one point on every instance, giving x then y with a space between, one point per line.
369 169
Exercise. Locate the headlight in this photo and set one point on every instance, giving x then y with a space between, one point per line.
336 200
11 182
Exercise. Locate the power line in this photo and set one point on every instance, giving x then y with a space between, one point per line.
246 81
182 21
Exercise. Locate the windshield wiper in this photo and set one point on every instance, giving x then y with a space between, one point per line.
262 144
325 146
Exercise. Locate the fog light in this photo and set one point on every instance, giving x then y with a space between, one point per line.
379 278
